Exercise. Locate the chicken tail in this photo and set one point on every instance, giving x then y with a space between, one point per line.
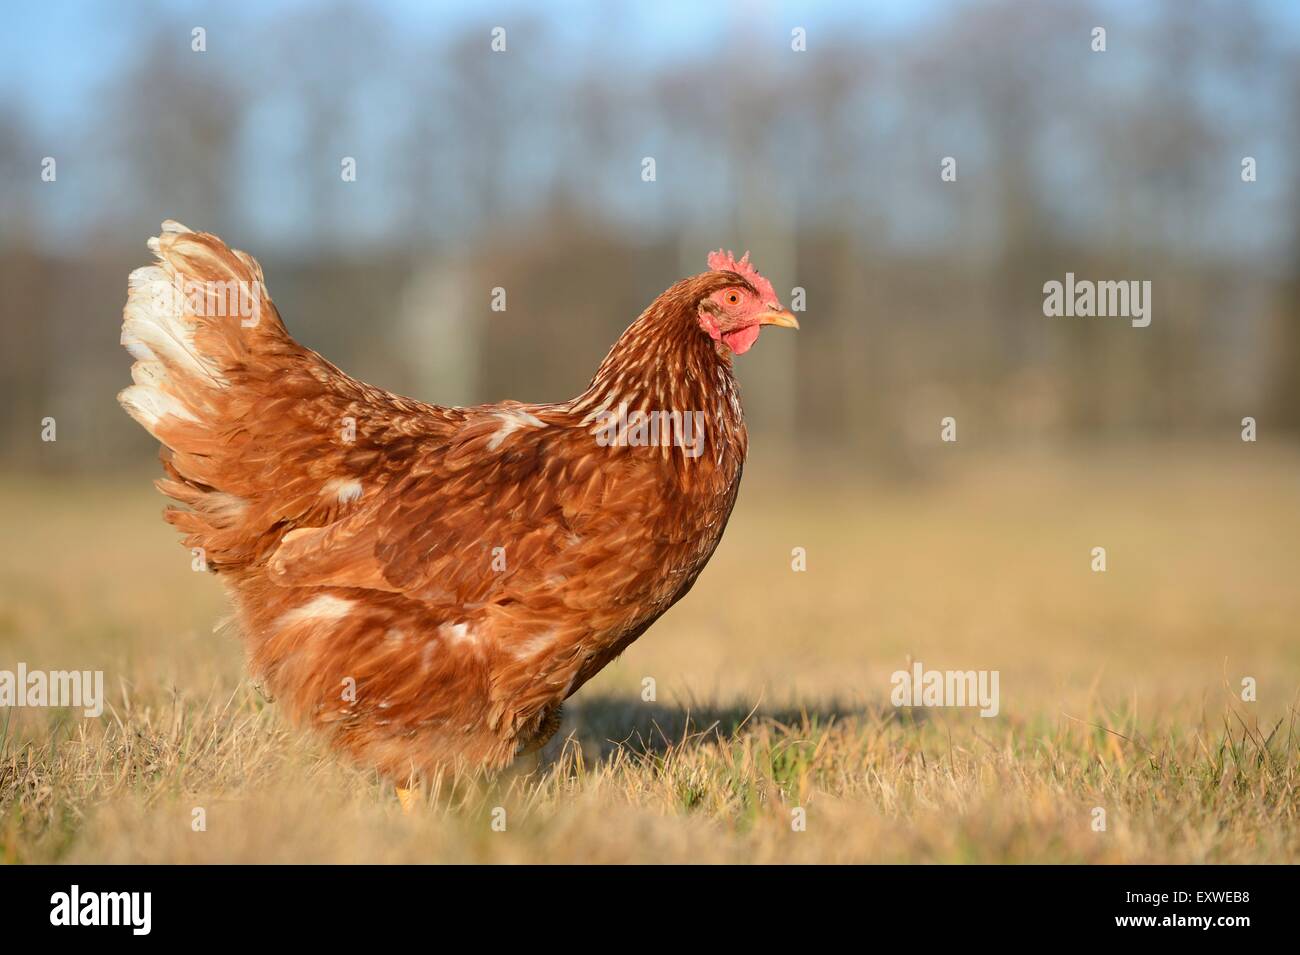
189 320
196 322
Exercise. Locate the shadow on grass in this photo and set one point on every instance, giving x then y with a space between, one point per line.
605 723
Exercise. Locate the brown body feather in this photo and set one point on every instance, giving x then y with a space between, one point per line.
426 585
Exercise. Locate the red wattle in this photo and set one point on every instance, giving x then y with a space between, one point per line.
740 340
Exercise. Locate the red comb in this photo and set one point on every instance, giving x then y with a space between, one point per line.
721 261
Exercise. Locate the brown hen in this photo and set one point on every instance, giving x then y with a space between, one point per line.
427 585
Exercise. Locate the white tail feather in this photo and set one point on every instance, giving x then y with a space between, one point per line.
155 326
151 374
159 331
147 405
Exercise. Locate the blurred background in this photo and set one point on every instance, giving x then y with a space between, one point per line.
522 170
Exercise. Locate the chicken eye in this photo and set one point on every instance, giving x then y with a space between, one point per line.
733 298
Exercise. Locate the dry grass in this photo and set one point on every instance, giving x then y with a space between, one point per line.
1118 690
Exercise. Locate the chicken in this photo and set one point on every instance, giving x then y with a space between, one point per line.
427 585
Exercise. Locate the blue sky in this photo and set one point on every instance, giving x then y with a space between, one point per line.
57 60
53 56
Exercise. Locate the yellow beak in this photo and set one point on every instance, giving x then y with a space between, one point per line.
783 319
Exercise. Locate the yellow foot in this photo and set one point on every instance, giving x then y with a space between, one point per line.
407 798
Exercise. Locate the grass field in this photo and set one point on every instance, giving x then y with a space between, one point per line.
1119 690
